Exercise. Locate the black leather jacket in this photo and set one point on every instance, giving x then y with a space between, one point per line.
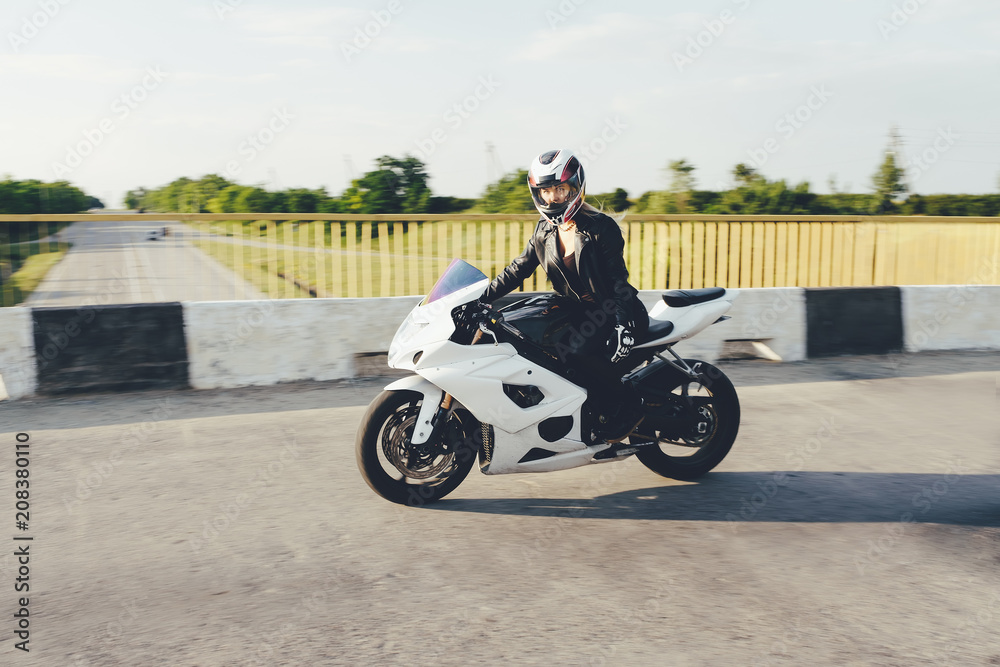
600 263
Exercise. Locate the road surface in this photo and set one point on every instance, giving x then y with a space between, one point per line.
856 521
116 262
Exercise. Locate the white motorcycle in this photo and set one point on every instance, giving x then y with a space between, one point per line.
494 386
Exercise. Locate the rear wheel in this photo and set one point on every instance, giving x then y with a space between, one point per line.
690 448
401 471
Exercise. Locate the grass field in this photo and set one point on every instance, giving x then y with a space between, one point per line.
24 266
382 259
393 259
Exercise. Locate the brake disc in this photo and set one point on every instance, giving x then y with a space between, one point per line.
414 461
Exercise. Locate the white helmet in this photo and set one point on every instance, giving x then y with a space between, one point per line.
550 169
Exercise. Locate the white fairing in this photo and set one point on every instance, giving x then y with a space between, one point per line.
475 375
689 320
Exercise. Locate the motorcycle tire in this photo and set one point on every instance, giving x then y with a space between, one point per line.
409 474
702 451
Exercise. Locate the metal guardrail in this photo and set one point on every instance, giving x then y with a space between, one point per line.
337 255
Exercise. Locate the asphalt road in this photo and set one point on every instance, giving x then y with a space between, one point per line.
116 262
856 521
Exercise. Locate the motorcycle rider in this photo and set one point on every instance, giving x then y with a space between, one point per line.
582 252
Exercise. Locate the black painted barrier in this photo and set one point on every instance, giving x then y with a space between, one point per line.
110 348
853 320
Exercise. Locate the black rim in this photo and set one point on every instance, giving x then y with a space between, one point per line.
694 442
427 464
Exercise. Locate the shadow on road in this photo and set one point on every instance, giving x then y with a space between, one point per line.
866 367
806 497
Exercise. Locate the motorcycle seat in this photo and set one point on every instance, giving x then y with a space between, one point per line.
657 329
679 298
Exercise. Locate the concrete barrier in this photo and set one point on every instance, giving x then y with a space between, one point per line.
240 343
951 317
110 348
853 320
18 377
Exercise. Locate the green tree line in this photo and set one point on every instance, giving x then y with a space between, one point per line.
396 185
400 185
31 196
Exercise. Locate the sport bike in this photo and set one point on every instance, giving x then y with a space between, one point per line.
491 385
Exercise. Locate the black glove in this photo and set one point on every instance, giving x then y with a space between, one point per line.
620 343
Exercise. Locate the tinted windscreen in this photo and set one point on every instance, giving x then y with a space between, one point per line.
459 274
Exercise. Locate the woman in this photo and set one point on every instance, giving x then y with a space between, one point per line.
582 253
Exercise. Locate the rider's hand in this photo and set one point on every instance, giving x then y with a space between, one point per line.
620 343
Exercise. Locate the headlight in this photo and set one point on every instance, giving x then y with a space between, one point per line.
406 332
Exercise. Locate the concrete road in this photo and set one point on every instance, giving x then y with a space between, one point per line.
116 262
856 521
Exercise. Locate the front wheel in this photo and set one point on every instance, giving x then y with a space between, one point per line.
712 419
409 474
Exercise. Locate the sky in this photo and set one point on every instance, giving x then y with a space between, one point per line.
113 95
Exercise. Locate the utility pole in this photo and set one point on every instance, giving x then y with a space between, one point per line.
896 150
352 173
494 169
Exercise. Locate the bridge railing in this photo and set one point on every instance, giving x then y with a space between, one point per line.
301 255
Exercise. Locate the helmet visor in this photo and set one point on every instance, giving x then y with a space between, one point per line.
553 198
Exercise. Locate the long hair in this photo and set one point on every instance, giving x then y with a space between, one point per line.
617 216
